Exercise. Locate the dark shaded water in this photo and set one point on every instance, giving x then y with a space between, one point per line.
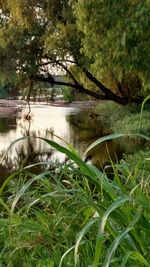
72 125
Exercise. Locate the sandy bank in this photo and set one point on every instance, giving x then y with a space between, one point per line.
10 107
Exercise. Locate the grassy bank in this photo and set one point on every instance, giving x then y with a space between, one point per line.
75 216
124 119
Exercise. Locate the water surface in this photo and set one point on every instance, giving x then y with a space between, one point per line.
70 124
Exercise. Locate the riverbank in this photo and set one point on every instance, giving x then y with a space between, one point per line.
133 121
10 107
75 104
123 119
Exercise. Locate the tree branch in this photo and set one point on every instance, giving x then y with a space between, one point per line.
107 92
78 87
119 85
68 71
104 90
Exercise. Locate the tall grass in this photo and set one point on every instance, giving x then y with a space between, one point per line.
75 216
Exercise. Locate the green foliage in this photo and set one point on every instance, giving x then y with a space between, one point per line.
114 36
67 95
108 38
9 89
124 119
138 164
3 92
75 216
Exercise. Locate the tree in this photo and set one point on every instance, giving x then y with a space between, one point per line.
116 39
88 40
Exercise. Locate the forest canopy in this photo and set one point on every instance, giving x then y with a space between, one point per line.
103 47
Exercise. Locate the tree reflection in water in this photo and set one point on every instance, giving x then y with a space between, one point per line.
79 129
84 130
26 153
8 124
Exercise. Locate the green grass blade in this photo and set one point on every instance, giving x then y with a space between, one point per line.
111 137
125 258
67 252
101 140
36 164
54 194
76 159
114 246
64 255
23 189
5 183
142 107
4 205
119 202
138 257
106 185
11 145
80 236
71 148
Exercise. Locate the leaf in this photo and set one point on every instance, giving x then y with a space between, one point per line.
71 148
111 137
100 235
142 107
76 159
6 182
125 258
23 189
4 205
138 257
80 236
114 246
51 194
66 253
11 145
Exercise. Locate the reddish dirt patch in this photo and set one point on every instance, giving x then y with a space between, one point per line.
9 107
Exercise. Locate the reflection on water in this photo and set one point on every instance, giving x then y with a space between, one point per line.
45 121
85 130
78 128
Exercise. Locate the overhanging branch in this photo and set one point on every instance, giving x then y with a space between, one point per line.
67 71
78 87
107 92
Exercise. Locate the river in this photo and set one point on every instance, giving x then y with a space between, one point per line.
69 123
